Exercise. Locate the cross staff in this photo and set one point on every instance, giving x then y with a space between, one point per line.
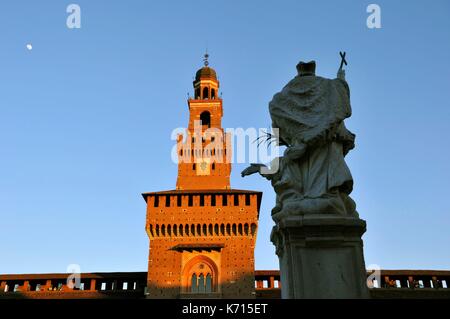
343 61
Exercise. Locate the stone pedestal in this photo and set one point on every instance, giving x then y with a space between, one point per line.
321 256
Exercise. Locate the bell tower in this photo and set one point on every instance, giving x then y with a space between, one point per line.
202 234
204 154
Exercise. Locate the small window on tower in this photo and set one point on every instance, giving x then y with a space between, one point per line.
205 93
213 94
193 167
213 166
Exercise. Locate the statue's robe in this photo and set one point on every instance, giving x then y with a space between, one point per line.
310 110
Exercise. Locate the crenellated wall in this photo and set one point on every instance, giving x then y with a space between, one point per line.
394 284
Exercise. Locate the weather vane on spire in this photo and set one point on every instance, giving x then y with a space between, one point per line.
205 59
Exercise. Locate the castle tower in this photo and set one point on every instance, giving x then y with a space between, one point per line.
204 155
203 233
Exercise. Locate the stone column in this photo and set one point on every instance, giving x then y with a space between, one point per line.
411 281
92 286
259 284
321 256
435 282
271 282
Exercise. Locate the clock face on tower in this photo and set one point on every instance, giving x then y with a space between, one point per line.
203 167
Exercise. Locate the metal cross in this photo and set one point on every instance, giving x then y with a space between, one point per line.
343 61
205 59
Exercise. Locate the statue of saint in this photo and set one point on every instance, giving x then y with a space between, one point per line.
312 176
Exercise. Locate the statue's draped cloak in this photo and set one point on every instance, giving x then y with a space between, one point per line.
310 110
308 107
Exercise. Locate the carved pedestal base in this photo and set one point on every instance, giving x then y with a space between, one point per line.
321 256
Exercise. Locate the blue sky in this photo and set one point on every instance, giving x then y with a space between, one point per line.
86 118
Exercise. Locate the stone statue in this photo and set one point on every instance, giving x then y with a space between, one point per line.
317 232
309 114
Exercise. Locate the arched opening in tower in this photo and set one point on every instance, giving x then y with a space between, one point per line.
205 118
205 93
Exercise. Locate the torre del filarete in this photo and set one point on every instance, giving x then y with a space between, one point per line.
202 234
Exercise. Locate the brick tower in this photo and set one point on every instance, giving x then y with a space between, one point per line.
202 234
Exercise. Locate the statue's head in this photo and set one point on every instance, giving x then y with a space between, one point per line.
306 68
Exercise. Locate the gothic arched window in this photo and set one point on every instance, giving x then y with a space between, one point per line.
208 284
194 286
201 276
201 284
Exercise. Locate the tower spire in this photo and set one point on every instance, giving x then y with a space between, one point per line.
205 58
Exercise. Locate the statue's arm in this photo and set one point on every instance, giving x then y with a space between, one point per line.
295 151
337 133
254 168
346 137
322 138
